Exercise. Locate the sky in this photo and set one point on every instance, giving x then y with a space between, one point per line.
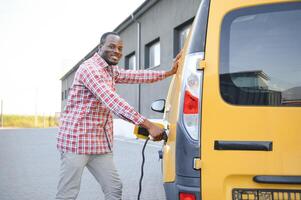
41 40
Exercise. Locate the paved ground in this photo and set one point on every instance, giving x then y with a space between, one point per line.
29 164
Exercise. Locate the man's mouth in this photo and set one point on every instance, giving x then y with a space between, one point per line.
115 58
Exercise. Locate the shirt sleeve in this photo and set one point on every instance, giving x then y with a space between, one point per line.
138 76
94 80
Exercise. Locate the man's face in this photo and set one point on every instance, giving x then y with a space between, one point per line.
111 50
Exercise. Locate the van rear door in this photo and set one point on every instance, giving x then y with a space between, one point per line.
250 130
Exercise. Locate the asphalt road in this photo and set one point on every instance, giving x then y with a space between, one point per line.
29 167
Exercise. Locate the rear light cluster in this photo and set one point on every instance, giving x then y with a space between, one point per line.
187 196
192 94
191 103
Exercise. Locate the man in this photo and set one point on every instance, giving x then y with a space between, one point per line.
85 137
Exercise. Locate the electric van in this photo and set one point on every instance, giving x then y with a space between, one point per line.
232 113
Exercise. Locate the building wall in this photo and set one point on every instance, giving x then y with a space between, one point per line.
129 91
159 21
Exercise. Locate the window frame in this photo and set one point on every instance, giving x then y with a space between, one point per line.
127 59
147 53
177 31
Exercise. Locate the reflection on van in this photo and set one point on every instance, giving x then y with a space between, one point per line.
254 88
248 88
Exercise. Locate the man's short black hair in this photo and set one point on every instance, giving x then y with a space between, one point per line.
104 37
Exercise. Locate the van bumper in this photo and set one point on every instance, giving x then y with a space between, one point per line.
173 189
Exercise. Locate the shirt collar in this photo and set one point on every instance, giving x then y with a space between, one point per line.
99 60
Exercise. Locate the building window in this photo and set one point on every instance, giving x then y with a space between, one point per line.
183 33
130 61
66 95
152 51
62 96
180 34
260 56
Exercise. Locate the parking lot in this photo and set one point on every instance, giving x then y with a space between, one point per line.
30 166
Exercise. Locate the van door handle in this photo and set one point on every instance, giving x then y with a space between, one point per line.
243 145
278 179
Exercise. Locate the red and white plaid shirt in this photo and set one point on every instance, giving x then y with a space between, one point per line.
87 122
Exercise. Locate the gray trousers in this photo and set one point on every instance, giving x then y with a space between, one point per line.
101 167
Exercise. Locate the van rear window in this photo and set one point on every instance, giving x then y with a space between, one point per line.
260 56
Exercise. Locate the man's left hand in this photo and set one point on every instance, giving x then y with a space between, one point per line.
175 65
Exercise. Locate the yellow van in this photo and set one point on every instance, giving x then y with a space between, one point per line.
233 110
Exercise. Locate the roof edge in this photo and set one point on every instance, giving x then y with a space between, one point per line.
145 6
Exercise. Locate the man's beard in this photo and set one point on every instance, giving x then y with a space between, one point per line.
106 58
111 63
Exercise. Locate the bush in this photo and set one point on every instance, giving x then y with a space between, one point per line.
29 121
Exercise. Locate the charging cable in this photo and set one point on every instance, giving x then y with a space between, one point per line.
142 166
164 137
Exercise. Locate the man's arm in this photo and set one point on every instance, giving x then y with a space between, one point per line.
93 79
138 76
146 76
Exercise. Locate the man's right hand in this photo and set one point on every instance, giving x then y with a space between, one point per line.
155 131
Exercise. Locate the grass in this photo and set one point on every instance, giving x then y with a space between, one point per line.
29 121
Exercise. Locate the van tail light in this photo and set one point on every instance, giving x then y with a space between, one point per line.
187 196
192 81
191 103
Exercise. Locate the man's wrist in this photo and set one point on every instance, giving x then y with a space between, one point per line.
146 124
168 73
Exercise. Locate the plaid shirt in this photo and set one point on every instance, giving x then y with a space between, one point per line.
87 123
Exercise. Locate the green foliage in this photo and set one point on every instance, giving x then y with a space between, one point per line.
29 121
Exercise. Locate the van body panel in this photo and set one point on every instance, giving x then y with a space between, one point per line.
169 173
170 117
224 170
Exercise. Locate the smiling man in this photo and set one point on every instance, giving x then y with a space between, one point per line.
85 137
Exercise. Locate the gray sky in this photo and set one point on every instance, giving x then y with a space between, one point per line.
40 40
